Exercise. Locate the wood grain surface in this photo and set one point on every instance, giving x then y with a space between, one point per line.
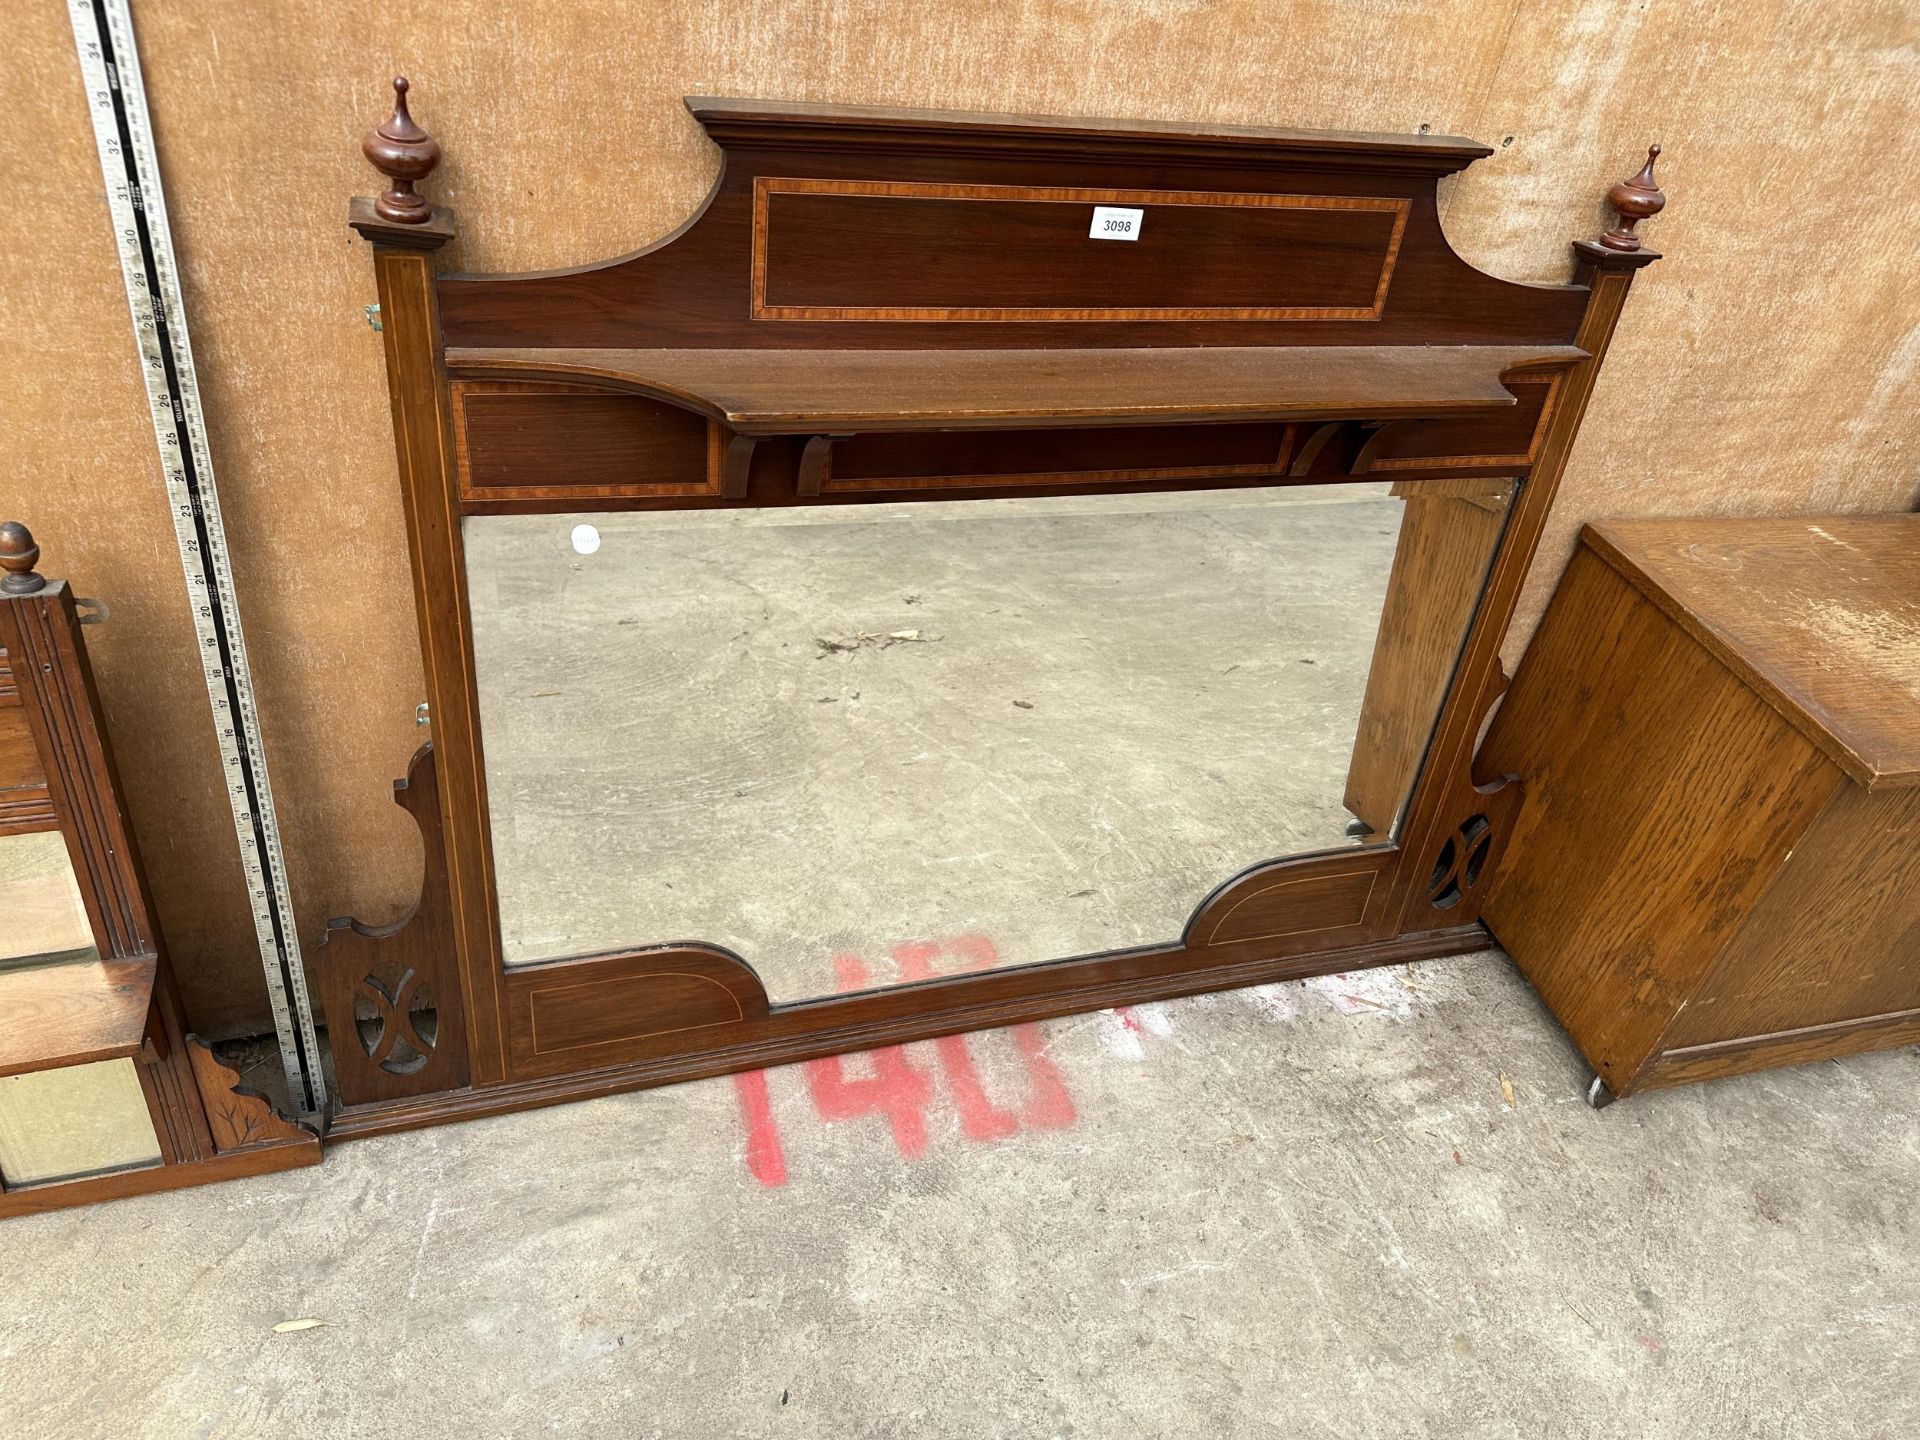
72 1012
1625 896
1820 615
799 391
1812 417
1700 888
1861 858
1449 532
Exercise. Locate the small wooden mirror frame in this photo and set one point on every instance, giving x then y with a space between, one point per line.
789 346
115 1001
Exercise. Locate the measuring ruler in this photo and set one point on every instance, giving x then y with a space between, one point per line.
110 68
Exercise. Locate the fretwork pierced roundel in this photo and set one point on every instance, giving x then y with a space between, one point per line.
1461 859
393 1011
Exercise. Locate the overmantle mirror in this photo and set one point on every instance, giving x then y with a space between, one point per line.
978 568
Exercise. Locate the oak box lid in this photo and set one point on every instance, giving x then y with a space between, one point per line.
1820 615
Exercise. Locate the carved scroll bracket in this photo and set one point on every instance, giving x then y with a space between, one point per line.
736 468
1464 854
816 460
239 1119
392 994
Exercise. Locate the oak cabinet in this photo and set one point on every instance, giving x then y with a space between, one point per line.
1716 865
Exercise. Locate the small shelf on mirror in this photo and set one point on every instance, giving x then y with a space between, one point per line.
67 1011
795 392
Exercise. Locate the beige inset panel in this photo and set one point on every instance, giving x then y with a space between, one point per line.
72 1122
40 898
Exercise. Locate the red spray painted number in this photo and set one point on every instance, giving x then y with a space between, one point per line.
766 1160
897 1089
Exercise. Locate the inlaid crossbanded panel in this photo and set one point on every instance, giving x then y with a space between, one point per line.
1508 439
519 442
1134 454
858 250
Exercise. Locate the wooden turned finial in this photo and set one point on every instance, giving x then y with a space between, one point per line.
1636 199
404 153
17 556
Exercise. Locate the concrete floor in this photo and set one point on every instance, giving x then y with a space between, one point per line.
1307 1210
1052 725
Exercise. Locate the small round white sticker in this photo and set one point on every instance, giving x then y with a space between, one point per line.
586 539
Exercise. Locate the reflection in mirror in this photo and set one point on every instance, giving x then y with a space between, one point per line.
45 918
78 1120
73 1122
1022 729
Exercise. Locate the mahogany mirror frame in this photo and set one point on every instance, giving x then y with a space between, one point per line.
1374 349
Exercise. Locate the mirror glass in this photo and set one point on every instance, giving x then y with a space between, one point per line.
45 917
858 744
78 1120
73 1122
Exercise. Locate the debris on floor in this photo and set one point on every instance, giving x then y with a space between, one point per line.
869 640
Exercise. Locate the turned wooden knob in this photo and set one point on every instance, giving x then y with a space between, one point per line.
1636 200
404 153
17 556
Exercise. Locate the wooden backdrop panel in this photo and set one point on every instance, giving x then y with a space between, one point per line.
1772 362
